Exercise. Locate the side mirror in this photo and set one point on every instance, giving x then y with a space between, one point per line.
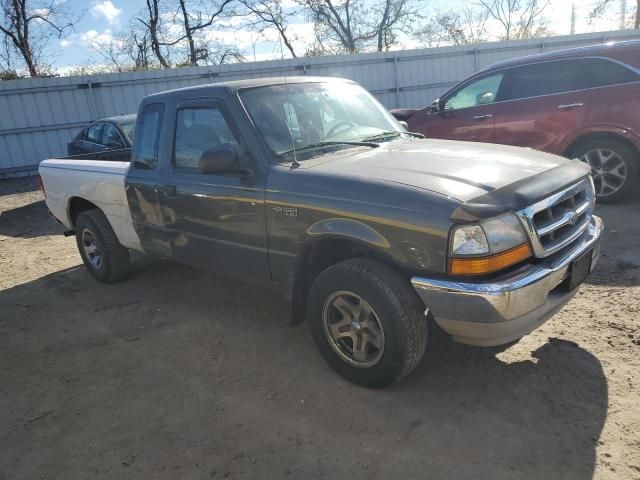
435 107
485 98
404 124
223 159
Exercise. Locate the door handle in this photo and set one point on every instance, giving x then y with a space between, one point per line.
569 106
483 117
170 191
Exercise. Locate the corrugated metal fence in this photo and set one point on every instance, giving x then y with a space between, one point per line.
39 116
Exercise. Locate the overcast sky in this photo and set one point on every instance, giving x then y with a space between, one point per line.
103 18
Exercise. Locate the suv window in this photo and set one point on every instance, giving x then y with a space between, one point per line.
540 79
93 133
199 129
145 152
479 92
599 72
111 137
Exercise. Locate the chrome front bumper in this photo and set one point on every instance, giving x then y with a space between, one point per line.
511 306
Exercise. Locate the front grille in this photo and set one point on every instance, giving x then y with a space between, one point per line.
558 220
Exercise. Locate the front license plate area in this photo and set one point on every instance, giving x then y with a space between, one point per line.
579 270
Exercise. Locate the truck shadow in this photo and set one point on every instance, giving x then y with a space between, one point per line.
176 366
29 221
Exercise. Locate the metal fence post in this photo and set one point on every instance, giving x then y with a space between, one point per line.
395 71
92 102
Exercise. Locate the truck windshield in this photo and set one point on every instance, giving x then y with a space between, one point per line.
302 115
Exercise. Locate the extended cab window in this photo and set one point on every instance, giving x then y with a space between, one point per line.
145 151
199 129
478 92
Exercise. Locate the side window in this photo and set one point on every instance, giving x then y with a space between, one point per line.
110 137
478 92
598 72
199 129
93 133
145 151
540 79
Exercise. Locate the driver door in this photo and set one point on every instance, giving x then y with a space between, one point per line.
215 221
468 113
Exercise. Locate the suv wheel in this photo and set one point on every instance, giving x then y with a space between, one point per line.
367 322
614 167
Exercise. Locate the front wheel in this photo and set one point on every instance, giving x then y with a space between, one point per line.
614 167
103 255
367 322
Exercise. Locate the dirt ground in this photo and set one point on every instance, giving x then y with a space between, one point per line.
175 373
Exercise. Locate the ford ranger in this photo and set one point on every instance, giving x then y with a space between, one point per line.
309 186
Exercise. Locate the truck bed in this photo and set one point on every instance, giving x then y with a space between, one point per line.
101 182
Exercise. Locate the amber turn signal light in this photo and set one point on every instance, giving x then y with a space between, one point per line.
489 264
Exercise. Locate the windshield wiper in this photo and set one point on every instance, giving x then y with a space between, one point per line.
382 136
391 134
329 144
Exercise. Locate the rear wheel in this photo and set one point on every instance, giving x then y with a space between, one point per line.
103 255
614 167
367 322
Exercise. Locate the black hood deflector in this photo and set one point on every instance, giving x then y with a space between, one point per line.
522 193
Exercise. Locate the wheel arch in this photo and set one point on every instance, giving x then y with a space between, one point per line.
328 248
76 206
595 135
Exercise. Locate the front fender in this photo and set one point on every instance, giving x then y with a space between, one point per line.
346 229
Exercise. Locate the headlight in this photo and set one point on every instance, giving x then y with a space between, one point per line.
487 246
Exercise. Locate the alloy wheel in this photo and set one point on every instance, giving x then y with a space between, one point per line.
353 329
608 168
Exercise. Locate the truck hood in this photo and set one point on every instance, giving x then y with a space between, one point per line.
466 171
462 170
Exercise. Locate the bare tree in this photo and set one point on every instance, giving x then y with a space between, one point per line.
452 27
265 14
193 21
601 6
126 51
150 18
356 25
27 27
518 18
389 16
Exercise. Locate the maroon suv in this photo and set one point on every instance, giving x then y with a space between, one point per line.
582 102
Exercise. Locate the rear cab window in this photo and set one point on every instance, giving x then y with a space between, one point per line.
148 125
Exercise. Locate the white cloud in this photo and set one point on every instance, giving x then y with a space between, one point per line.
41 14
93 38
106 9
64 43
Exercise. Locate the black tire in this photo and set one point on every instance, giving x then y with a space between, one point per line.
630 158
114 262
397 307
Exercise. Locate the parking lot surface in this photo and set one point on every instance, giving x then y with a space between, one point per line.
178 373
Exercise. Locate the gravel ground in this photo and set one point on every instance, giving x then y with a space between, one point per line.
177 373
